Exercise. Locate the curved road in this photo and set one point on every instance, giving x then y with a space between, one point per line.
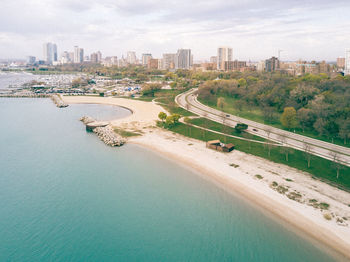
188 101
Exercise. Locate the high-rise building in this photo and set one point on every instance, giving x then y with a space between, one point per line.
131 57
183 59
146 58
93 58
50 53
31 60
224 55
341 62
272 64
96 57
78 54
99 56
260 66
168 61
65 58
347 62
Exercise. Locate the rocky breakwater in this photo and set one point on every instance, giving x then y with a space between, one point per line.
57 99
104 131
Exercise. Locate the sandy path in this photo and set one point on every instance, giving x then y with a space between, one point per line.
144 113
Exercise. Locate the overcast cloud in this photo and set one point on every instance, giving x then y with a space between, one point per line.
255 29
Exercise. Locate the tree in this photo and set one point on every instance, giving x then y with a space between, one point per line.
176 118
221 103
307 153
150 89
344 129
172 120
268 113
162 116
248 138
304 117
242 82
288 118
336 162
169 121
239 105
284 149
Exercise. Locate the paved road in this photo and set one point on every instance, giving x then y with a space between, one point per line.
188 101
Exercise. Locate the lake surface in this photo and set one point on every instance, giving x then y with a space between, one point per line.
66 196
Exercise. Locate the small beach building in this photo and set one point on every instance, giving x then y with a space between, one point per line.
217 145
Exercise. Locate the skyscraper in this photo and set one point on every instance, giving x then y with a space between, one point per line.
131 57
78 54
224 55
146 58
50 53
347 62
183 59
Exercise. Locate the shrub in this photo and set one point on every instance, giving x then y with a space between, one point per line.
327 216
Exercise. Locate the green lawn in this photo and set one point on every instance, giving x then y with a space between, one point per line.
254 113
206 123
320 168
166 98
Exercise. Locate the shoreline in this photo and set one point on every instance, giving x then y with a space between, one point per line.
300 218
291 219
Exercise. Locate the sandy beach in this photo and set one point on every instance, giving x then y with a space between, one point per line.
289 194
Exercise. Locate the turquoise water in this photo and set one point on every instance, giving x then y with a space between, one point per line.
65 196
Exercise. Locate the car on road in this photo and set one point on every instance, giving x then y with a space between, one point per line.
227 115
255 130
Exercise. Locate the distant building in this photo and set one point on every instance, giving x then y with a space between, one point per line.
99 56
145 59
66 58
341 62
272 64
50 53
110 61
347 62
78 55
168 61
208 66
131 57
214 60
234 65
224 55
152 63
260 66
183 59
93 58
31 60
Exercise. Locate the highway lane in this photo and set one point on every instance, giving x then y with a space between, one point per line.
188 101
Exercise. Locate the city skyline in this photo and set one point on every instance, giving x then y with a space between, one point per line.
254 30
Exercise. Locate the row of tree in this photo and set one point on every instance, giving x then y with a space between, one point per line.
311 102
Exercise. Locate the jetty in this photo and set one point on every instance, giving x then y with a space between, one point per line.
103 130
58 101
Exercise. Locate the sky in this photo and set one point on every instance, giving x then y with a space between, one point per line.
255 29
